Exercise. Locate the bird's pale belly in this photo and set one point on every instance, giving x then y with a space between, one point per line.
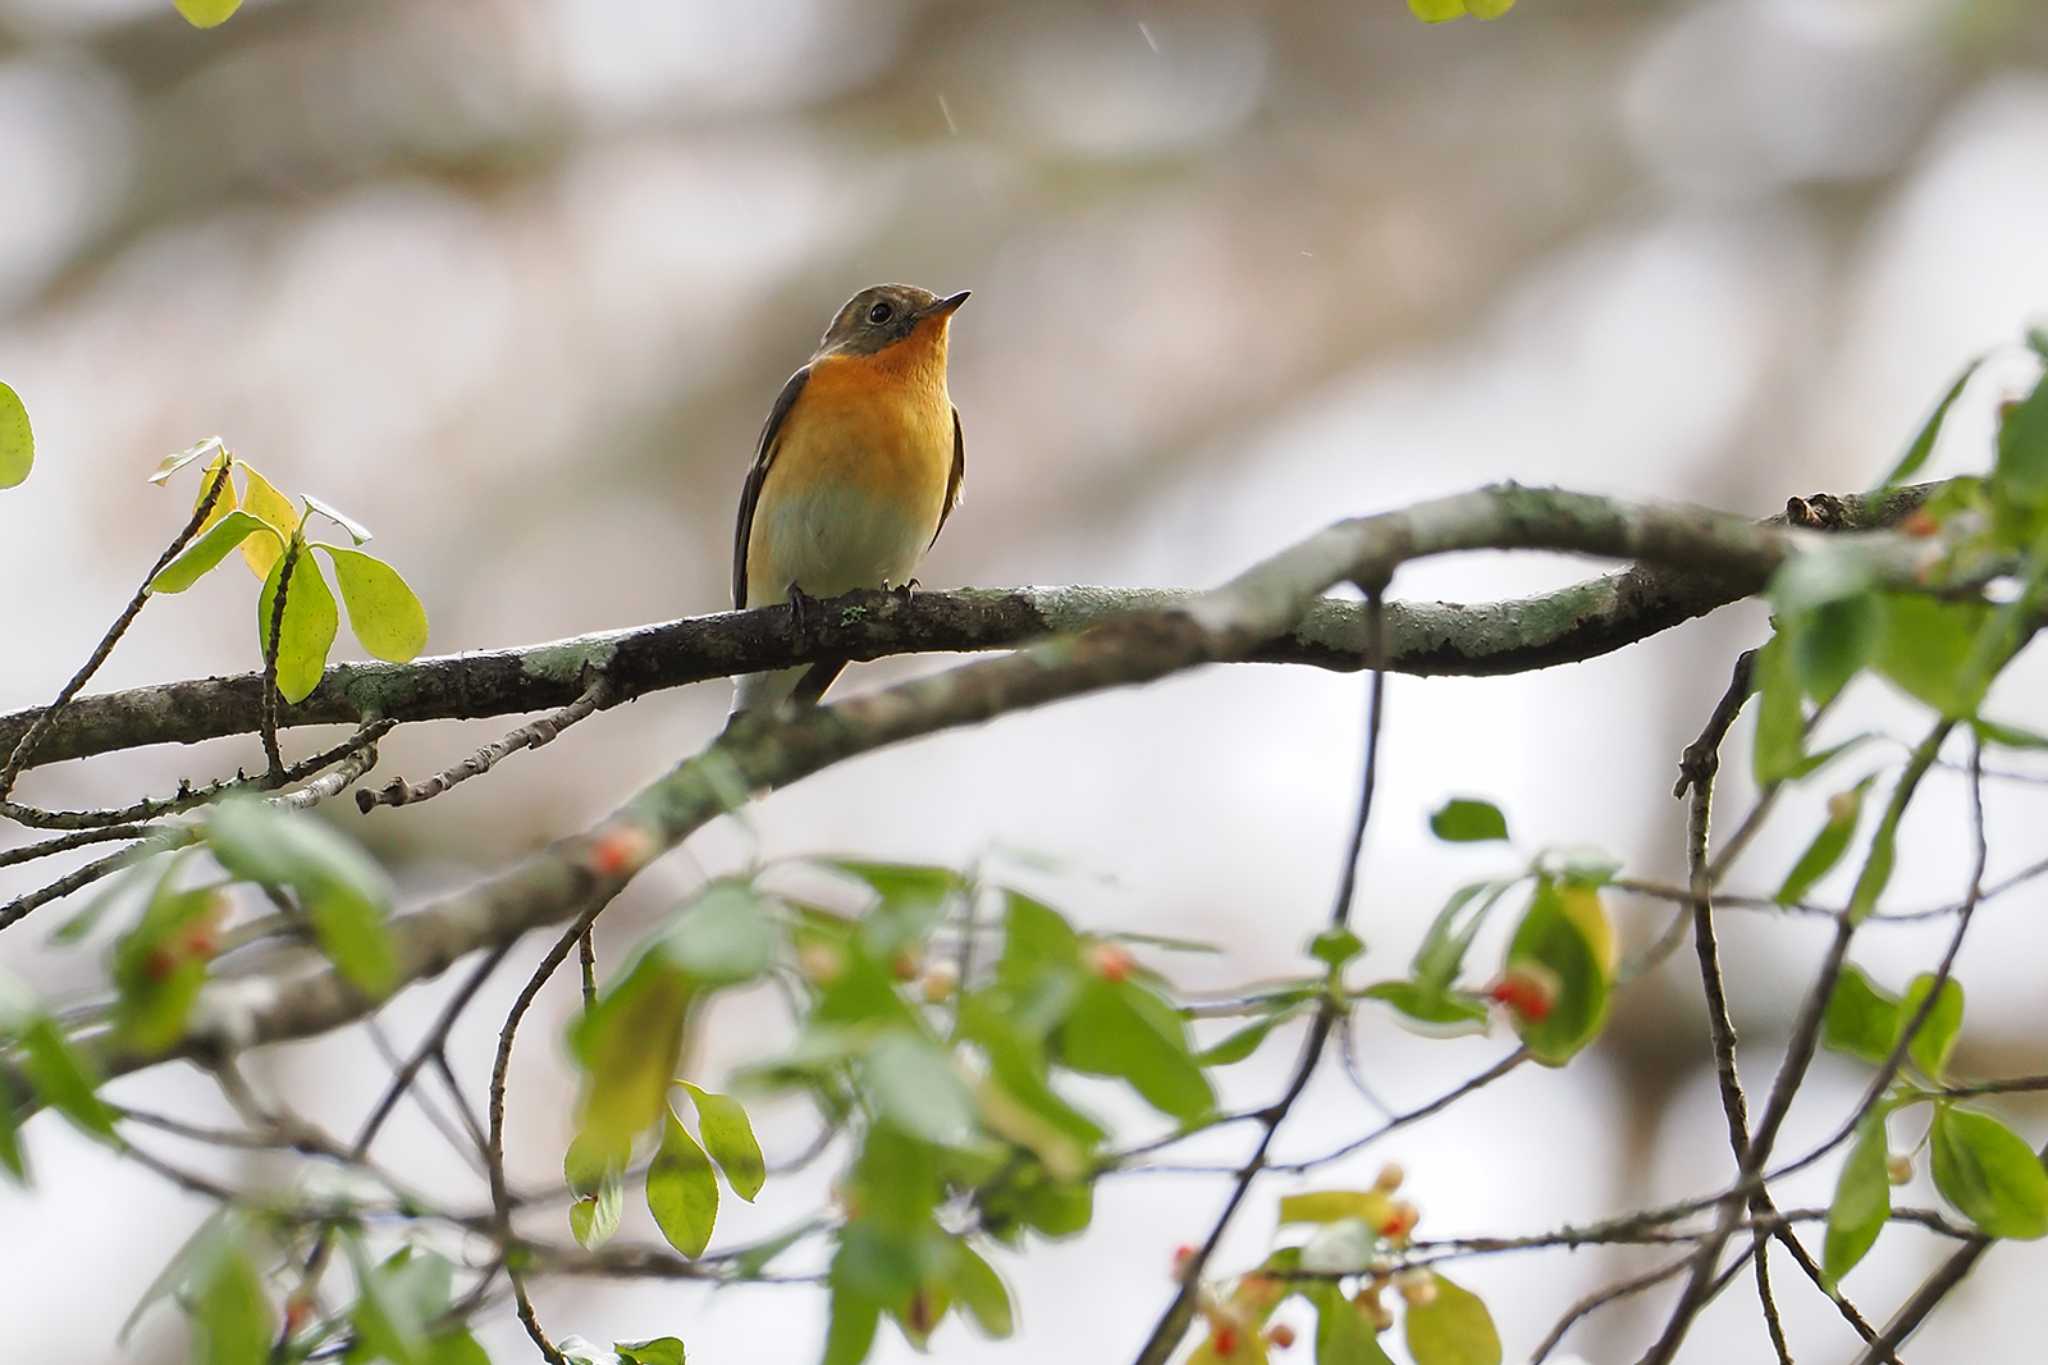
833 537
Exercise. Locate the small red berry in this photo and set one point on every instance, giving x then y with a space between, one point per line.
1921 523
619 850
1183 1257
1111 962
1280 1335
1529 993
1223 1340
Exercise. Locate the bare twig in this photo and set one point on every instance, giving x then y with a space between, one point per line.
271 641
187 797
25 747
532 735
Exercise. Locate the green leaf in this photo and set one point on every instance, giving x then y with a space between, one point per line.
1336 1206
2021 472
1989 1174
232 1322
1861 1020
1335 946
913 1085
1453 1328
2010 736
344 892
1924 646
1557 939
17 441
726 937
196 559
975 1283
61 1075
682 1193
1876 871
208 1240
395 1300
594 1217
1936 1037
1343 1336
11 1157
628 1048
1863 1200
855 1316
1923 443
357 532
729 1137
160 965
276 511
1780 721
1442 953
1442 1012
1828 845
383 610
1245 1041
1466 820
1108 1033
207 13
659 1351
1822 573
1832 642
307 632
455 1348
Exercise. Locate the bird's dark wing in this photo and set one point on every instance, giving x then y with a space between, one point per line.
953 480
757 474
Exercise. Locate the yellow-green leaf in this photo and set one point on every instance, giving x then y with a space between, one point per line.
383 611
276 510
207 13
307 632
1451 1328
682 1193
722 1120
234 528
1330 1206
17 441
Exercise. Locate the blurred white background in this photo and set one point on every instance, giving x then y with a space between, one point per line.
514 282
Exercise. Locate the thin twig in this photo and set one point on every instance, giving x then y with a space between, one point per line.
188 796
25 748
1785 1085
271 642
495 1153
532 735
1173 1323
64 843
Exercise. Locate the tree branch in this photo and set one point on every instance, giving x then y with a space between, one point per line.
1572 624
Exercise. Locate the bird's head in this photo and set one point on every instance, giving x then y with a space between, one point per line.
881 316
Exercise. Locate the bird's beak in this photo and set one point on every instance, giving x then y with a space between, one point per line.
946 307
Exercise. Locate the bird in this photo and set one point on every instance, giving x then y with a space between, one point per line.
855 473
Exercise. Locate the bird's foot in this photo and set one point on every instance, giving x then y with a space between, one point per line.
802 613
902 590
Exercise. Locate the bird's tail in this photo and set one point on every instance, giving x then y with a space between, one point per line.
803 685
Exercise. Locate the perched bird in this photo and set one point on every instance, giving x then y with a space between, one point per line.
857 468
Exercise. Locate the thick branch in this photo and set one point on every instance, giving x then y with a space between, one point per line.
1517 635
758 754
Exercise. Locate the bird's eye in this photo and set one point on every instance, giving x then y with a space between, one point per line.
880 313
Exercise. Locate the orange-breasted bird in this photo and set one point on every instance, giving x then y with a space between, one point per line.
857 468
